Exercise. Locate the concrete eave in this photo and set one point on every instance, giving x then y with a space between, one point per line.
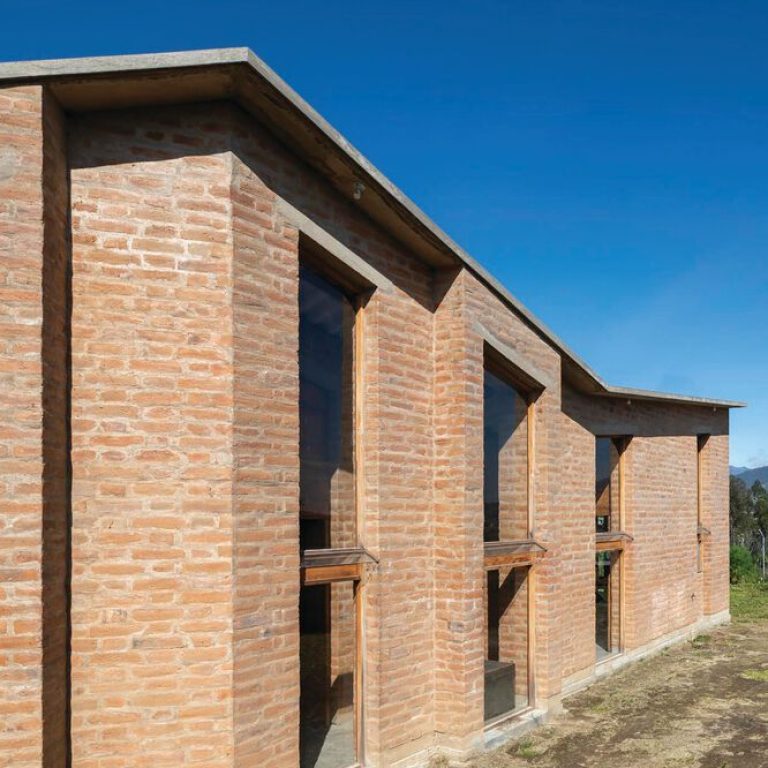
115 82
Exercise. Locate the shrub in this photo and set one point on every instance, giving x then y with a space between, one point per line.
743 568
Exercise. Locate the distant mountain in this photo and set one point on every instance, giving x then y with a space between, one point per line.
750 475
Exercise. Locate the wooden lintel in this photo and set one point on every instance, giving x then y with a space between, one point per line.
326 574
312 558
609 545
515 554
512 561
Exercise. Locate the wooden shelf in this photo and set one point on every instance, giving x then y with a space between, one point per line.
324 566
611 540
512 553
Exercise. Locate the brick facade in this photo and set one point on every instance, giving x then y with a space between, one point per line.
149 465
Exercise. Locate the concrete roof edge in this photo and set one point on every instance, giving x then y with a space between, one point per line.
32 71
631 393
132 62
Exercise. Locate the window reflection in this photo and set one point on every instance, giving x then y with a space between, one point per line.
505 461
327 663
326 414
606 483
506 661
607 604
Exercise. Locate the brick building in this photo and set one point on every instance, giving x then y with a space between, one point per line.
287 478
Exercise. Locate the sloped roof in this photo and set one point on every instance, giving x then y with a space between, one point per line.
109 82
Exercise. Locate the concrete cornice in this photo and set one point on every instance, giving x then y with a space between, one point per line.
108 82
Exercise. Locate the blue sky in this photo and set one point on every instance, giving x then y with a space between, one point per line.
608 161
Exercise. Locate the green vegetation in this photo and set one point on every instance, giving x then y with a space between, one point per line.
743 568
526 749
760 675
749 601
748 523
748 518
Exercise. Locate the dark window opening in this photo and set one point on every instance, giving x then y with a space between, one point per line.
607 484
326 414
327 520
506 660
327 675
607 603
505 461
701 444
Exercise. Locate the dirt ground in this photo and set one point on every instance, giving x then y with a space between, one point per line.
702 704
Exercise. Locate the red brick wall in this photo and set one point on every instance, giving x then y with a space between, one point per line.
152 456
21 392
265 493
396 447
458 524
34 480
185 459
714 517
663 590
493 317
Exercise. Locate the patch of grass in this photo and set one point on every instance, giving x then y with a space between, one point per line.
526 748
761 675
749 601
701 641
680 762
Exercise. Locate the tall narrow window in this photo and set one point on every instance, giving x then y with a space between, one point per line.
328 597
610 540
506 521
607 574
505 461
701 443
327 619
326 416
607 484
506 661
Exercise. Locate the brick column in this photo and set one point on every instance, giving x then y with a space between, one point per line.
266 479
458 526
714 517
152 440
34 453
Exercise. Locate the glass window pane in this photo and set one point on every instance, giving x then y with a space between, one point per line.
606 483
505 461
326 414
327 663
506 662
607 604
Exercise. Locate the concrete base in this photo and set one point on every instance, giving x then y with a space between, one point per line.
612 664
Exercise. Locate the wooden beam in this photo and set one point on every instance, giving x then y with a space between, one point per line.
531 423
326 574
531 637
515 554
311 558
613 545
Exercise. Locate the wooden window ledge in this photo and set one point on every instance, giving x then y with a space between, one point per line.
323 566
611 540
512 553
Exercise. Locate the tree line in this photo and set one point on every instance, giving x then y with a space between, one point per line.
748 524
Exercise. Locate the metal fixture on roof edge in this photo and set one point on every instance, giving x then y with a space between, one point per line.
357 190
